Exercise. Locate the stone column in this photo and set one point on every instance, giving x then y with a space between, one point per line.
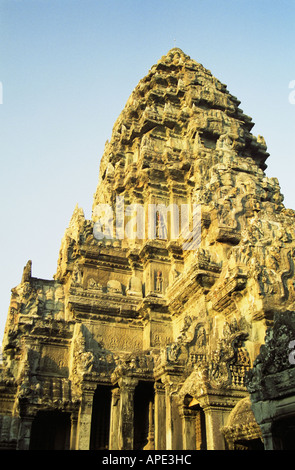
268 440
126 422
160 417
24 435
173 420
84 420
151 430
73 436
114 420
188 428
215 419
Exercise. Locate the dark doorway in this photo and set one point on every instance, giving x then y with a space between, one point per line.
143 416
283 432
51 431
100 423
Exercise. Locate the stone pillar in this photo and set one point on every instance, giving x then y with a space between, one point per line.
84 420
24 435
188 428
268 440
126 422
114 420
265 413
160 417
173 420
215 418
151 431
73 436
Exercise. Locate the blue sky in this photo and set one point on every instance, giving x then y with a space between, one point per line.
67 68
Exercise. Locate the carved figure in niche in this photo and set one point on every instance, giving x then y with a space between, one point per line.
226 215
242 254
198 350
224 143
159 282
92 284
157 340
83 360
182 337
173 351
218 369
146 141
161 229
77 276
201 338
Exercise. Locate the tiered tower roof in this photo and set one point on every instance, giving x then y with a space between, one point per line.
177 112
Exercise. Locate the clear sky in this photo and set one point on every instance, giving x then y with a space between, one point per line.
67 68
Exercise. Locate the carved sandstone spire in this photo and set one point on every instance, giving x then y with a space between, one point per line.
178 114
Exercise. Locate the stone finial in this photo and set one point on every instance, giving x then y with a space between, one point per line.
27 272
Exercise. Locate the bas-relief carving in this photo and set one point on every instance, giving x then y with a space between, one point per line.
125 339
54 360
180 138
93 284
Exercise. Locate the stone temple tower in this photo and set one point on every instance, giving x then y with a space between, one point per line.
160 303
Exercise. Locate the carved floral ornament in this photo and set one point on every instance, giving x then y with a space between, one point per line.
224 366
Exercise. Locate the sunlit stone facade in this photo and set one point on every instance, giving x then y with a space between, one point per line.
147 342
